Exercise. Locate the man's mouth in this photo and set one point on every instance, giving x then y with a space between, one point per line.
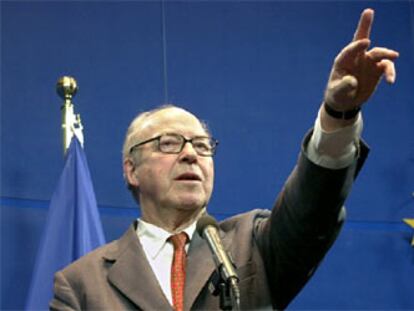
188 177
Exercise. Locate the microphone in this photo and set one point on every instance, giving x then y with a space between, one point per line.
207 228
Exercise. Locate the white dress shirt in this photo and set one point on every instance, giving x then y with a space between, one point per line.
336 149
159 252
332 150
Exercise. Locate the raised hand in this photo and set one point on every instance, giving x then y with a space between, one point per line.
357 71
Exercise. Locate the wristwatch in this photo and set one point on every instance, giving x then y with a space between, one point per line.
343 115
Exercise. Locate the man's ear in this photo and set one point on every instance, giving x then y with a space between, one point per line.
129 173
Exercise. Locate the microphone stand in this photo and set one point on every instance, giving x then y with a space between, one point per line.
229 291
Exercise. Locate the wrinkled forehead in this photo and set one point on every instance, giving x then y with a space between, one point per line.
171 120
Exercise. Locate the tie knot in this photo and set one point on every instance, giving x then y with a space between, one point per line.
179 240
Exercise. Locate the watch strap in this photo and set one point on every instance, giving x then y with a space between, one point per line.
343 115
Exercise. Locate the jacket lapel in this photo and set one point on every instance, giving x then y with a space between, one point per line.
199 267
132 275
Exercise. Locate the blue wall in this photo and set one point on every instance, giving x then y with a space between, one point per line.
256 72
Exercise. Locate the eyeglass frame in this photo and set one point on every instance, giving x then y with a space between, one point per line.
185 140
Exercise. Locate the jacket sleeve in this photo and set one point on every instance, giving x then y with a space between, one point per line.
64 295
304 222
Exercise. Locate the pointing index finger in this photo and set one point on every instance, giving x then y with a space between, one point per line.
364 26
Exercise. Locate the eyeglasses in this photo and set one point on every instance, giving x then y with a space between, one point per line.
174 143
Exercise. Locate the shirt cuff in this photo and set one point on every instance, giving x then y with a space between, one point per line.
337 149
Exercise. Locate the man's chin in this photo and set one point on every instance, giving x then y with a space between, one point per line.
190 203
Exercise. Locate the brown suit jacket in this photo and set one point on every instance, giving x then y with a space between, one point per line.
275 252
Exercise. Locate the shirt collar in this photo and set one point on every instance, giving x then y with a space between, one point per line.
153 238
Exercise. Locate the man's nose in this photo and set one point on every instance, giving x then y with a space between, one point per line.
188 154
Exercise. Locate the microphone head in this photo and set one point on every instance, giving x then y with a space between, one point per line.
205 221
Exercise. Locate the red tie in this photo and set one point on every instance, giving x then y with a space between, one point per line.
178 270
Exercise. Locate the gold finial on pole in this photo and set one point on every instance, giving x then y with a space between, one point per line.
66 88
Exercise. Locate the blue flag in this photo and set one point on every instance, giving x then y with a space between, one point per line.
73 227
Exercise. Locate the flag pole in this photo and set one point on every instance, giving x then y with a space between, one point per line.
73 226
67 88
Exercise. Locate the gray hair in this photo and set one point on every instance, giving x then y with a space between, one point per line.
134 127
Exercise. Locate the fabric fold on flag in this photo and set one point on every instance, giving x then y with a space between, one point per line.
73 226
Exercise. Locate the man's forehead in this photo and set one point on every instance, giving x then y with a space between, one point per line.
172 118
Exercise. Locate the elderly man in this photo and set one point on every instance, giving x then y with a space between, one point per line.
168 165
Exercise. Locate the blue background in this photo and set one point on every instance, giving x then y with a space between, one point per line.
256 72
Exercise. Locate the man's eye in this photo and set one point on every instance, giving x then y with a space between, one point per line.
169 142
201 145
